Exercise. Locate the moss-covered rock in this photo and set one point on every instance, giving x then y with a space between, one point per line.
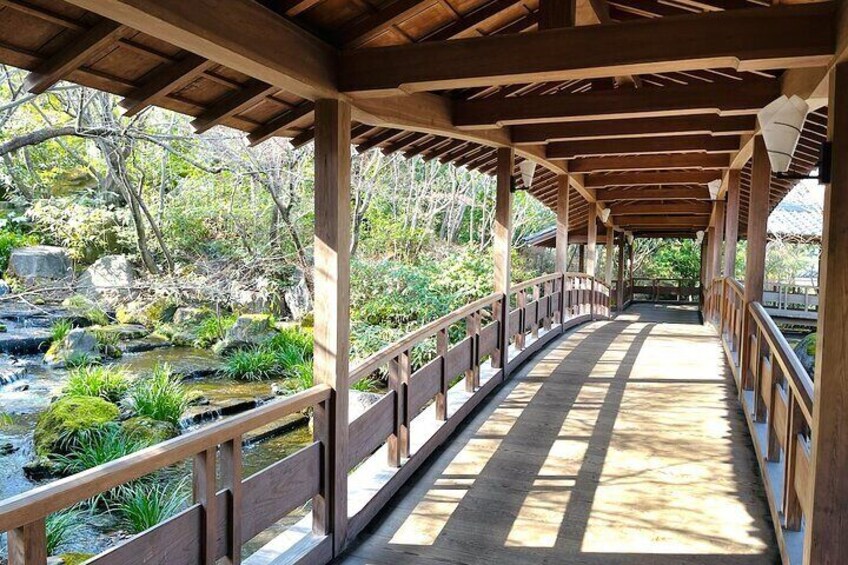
78 343
149 431
66 418
85 309
806 352
74 558
248 331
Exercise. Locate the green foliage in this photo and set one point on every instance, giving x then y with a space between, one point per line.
82 307
60 426
62 527
161 396
368 384
9 240
78 359
109 383
287 354
255 364
87 230
6 419
143 504
75 558
669 258
60 329
96 447
212 329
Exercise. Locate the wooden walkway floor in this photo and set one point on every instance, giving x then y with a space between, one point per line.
620 443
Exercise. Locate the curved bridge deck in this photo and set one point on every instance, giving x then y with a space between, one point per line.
621 442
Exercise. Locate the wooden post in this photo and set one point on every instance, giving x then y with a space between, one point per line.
620 288
609 253
581 258
755 258
826 540
27 545
332 311
731 224
231 472
562 240
204 489
502 244
442 345
591 248
718 233
709 269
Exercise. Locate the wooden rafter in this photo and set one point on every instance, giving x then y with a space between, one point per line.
163 80
654 193
293 118
470 20
652 178
678 207
780 37
250 94
372 25
642 146
649 162
84 48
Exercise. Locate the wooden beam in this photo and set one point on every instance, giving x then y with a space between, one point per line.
745 98
731 229
332 312
754 39
607 194
470 20
667 208
649 162
705 124
641 146
555 14
502 251
562 211
648 178
295 7
164 79
372 25
825 540
292 118
253 92
637 222
82 49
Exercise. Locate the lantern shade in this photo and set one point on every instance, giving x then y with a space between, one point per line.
781 123
605 214
528 170
629 236
714 186
699 236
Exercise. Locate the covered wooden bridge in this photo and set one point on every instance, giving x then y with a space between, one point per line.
596 441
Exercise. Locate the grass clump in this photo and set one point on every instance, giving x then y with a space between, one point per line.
82 307
287 354
108 383
68 419
255 364
97 447
61 527
60 329
160 397
142 505
212 328
78 359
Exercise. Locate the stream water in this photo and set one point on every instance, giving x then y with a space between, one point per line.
27 387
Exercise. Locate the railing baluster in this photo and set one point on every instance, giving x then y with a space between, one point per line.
534 322
231 473
548 306
27 545
522 319
399 371
204 487
791 504
442 395
472 332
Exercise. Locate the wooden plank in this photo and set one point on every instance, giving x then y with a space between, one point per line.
649 162
825 540
562 214
607 194
458 358
27 544
502 251
803 477
702 124
167 78
84 48
792 36
424 385
642 146
731 229
176 541
275 491
746 97
298 115
204 482
372 25
332 312
250 95
648 179
488 340
667 208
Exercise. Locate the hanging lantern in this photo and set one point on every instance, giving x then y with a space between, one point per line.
629 236
699 237
528 170
781 123
605 215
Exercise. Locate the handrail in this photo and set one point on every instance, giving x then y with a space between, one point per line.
381 357
536 281
800 381
42 501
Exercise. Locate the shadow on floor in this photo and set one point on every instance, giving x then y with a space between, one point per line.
620 443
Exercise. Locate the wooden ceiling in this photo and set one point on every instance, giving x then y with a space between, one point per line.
640 133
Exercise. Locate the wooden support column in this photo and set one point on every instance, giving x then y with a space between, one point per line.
591 247
620 288
609 257
581 258
731 224
502 245
755 258
332 311
718 234
825 540
562 224
709 269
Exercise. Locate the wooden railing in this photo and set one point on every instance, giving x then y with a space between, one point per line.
439 372
777 396
627 297
665 290
791 297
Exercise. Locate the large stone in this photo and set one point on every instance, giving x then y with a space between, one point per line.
108 281
4 288
78 344
248 331
65 419
40 263
187 316
298 300
359 402
806 353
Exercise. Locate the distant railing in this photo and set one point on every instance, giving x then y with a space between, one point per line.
777 396
627 296
228 510
666 290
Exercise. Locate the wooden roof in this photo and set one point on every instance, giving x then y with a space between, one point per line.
659 133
